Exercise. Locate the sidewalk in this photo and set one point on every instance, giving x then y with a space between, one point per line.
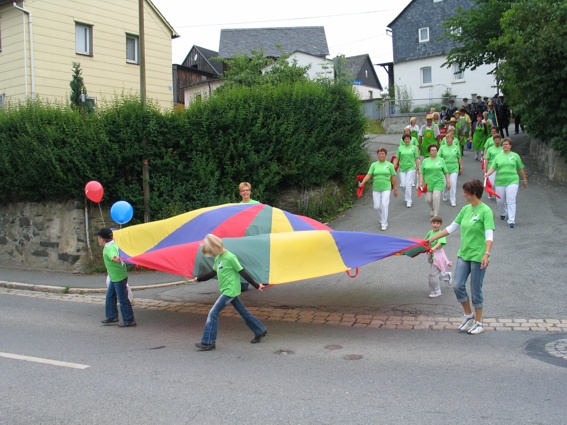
76 283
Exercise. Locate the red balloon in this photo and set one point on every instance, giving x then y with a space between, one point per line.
94 191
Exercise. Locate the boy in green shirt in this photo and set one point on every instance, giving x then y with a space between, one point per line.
118 279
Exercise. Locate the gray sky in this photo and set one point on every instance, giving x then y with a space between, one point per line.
351 28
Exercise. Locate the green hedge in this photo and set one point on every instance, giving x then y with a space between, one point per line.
299 135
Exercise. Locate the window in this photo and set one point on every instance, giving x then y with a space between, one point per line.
132 49
423 35
370 94
83 39
426 75
0 35
1 101
458 75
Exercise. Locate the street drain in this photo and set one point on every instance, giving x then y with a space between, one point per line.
333 347
283 352
352 357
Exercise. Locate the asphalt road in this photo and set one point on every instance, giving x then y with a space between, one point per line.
299 374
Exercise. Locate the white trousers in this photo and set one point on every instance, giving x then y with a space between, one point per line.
507 201
433 199
381 204
452 193
406 180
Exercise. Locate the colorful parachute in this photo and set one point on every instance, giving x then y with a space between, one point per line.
273 245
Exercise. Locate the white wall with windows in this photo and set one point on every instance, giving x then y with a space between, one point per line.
427 79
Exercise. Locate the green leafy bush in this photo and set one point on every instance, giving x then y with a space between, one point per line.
299 134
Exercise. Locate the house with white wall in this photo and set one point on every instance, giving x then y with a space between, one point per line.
419 54
40 40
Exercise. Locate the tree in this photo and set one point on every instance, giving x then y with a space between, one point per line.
78 89
534 72
525 39
255 69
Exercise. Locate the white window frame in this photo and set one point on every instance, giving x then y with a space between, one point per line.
422 76
437 1
83 39
458 76
136 40
423 39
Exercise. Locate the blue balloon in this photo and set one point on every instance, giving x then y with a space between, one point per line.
121 212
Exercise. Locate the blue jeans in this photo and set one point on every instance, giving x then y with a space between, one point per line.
210 332
462 272
117 290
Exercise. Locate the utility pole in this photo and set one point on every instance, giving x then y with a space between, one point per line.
145 162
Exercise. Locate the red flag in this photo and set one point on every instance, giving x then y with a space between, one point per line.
360 189
488 188
421 190
392 161
483 164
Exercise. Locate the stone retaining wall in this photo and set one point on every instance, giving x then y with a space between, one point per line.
550 162
45 236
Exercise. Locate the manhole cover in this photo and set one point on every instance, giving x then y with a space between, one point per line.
333 347
550 349
352 357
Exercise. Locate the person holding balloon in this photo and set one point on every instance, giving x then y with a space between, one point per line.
117 288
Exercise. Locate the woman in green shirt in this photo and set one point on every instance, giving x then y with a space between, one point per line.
434 173
476 223
507 165
452 156
407 156
383 177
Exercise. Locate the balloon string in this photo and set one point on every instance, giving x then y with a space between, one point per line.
101 216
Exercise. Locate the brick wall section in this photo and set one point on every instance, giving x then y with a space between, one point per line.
421 14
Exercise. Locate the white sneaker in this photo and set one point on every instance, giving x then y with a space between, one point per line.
467 323
408 205
445 199
453 204
413 184
431 213
476 329
450 280
435 294
384 227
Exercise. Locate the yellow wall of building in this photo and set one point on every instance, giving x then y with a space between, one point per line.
106 73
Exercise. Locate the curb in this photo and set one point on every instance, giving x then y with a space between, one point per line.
69 290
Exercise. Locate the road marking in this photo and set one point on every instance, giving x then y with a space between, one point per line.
44 361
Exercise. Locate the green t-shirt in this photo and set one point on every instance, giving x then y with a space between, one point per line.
407 156
381 173
451 155
489 143
507 166
228 267
433 171
474 221
491 153
116 271
442 241
251 201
